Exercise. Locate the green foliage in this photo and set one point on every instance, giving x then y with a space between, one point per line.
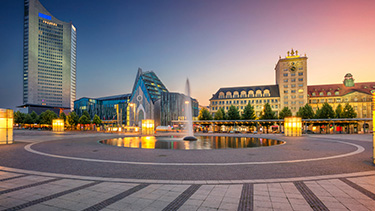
233 113
248 112
85 113
326 112
220 114
28 119
72 119
286 112
62 116
47 117
84 120
267 112
349 112
35 117
204 114
19 117
338 111
306 112
96 120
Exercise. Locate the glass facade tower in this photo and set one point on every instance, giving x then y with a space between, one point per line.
49 70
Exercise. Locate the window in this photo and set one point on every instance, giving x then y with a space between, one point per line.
338 100
300 79
313 94
293 85
285 80
330 100
314 101
300 96
285 86
285 91
300 73
292 74
337 93
300 85
294 97
293 80
285 97
321 93
293 91
322 100
285 74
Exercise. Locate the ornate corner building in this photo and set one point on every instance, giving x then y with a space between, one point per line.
291 90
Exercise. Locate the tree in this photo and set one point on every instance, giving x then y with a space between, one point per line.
338 111
267 112
220 114
47 117
72 119
233 113
286 112
204 114
326 112
28 119
85 113
96 120
349 112
306 112
35 117
84 120
248 112
62 116
19 117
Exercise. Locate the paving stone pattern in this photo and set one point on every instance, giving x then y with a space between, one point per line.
34 192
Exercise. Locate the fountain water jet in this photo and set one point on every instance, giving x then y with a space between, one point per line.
189 115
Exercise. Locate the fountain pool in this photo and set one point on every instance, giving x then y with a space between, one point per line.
202 143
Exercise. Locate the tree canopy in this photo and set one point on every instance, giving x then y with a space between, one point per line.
85 113
84 120
96 120
233 113
326 112
348 112
204 114
267 112
338 111
47 117
72 119
220 114
285 112
248 112
306 112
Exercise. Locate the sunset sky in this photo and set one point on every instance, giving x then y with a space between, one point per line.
214 43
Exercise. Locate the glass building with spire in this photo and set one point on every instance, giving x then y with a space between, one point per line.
49 59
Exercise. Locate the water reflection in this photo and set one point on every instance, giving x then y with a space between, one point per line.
203 142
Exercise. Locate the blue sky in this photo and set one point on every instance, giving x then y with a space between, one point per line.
215 43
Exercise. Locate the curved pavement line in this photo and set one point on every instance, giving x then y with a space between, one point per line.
359 150
185 182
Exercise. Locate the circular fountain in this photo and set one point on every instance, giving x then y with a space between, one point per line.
188 115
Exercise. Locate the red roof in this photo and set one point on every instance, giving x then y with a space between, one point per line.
365 87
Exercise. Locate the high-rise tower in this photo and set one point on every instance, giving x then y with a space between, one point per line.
291 76
49 58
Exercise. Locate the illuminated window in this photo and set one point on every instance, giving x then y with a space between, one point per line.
321 93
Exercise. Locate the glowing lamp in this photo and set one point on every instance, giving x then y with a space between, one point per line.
58 125
293 126
6 126
148 126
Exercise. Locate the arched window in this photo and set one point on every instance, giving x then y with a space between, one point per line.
337 93
243 94
266 93
328 93
313 94
321 93
251 93
258 93
229 95
221 95
235 94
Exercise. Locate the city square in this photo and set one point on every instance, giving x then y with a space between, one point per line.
187 105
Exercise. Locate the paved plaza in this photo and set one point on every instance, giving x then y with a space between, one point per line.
72 171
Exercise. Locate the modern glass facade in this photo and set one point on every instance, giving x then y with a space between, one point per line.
105 107
49 70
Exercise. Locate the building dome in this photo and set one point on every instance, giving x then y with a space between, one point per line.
349 80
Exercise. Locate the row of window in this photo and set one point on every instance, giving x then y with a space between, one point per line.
293 102
243 94
328 93
339 100
293 74
293 80
48 84
47 90
244 102
257 107
293 85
